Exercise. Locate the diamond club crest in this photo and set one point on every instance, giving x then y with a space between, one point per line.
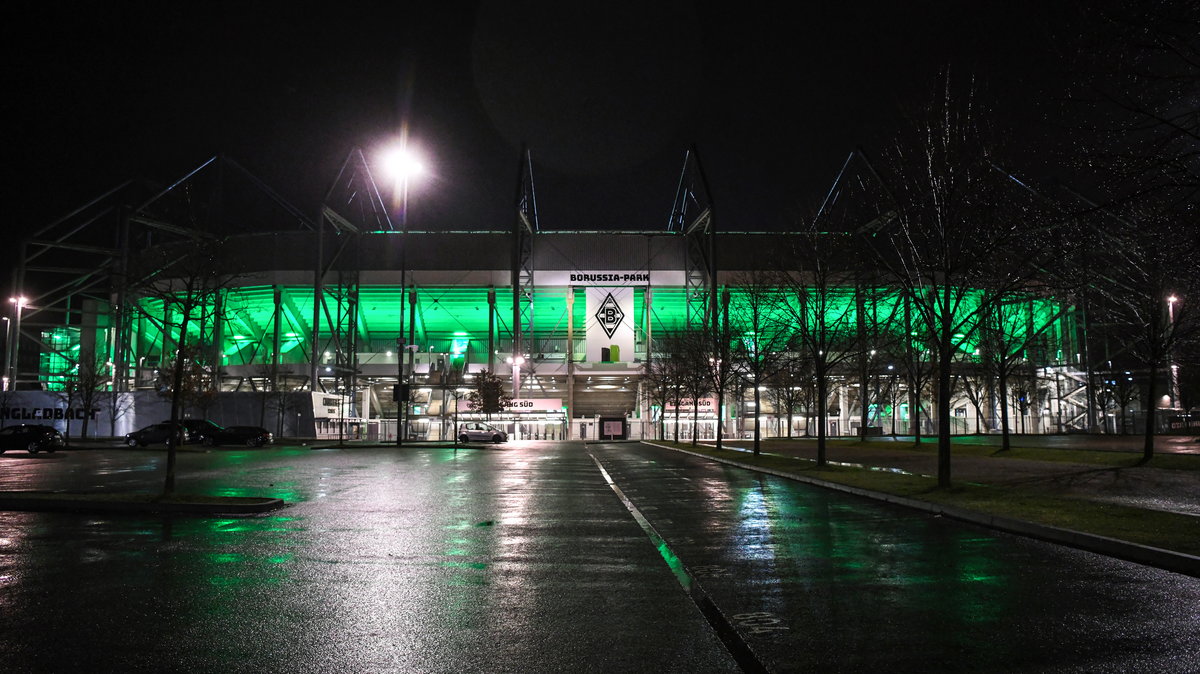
609 315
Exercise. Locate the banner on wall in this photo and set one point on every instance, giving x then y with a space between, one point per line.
610 324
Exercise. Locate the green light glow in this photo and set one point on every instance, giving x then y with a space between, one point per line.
455 320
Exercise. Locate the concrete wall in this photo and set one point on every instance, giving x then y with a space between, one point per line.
142 408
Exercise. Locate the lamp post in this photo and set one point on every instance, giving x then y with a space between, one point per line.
1173 367
13 344
402 165
516 360
7 349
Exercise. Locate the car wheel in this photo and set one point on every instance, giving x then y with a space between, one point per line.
32 448
132 442
207 441
495 438
463 438
252 442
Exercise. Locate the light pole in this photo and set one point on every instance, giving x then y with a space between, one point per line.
516 360
1172 365
7 349
402 165
13 344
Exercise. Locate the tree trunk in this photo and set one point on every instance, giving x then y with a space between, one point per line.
695 420
1004 440
822 393
945 386
943 420
176 401
1148 445
914 410
860 310
757 415
720 414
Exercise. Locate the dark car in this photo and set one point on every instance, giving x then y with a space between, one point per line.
199 430
32 438
156 434
251 436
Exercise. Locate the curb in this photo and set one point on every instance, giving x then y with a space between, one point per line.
407 445
1169 560
234 506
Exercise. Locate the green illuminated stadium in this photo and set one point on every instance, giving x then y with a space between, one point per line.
340 313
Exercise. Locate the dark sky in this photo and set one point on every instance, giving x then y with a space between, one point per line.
607 95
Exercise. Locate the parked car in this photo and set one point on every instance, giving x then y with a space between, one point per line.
155 434
202 431
199 430
251 436
477 432
32 438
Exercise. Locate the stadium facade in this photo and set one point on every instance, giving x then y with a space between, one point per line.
317 325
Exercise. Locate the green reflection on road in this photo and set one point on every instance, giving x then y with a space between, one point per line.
466 565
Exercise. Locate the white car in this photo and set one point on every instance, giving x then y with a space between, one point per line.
475 432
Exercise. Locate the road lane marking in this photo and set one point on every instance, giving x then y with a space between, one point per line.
726 632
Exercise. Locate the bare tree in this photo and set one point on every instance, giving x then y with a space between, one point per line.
1148 277
975 388
1007 331
694 374
1139 142
818 300
185 282
1136 108
83 389
960 225
878 321
760 345
664 372
785 389
721 366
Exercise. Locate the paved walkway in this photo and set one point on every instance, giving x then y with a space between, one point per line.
1143 487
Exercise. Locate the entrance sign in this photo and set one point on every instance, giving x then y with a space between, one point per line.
535 405
610 324
706 405
526 405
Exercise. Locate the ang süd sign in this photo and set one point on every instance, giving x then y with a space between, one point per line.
526 405
47 413
706 406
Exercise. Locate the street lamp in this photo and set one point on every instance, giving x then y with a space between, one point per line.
7 349
402 165
516 362
1173 366
13 345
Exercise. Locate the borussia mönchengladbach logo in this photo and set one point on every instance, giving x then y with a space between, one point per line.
610 315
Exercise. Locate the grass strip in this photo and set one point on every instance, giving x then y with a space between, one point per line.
1160 529
1095 457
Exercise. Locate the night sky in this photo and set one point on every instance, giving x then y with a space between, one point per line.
608 97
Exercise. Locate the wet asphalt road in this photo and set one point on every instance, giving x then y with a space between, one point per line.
525 558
